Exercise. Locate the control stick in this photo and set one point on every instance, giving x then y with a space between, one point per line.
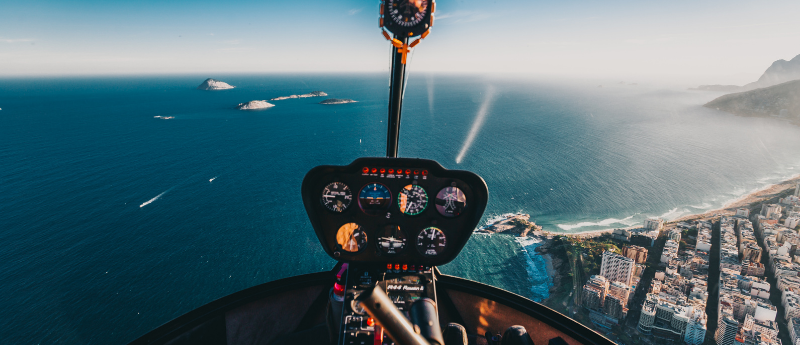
381 308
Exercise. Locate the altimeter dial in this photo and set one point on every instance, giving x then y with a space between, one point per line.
337 197
351 237
431 241
407 13
412 200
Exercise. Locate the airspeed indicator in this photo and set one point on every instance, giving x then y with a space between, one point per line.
337 197
412 200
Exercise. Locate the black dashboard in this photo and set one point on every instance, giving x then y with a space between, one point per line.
390 210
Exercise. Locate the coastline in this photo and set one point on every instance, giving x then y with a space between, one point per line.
745 201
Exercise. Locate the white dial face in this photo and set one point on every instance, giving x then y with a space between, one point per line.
431 241
407 12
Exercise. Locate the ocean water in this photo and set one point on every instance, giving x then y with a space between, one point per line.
111 225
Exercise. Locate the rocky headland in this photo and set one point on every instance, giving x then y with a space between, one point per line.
779 72
337 101
306 95
213 84
781 101
254 105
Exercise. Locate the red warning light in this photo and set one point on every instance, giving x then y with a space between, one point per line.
365 170
370 322
388 266
399 171
374 170
416 172
383 170
391 171
397 266
424 173
405 267
408 171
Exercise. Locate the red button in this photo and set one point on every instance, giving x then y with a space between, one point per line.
399 171
365 170
391 171
370 322
388 266
408 171
383 170
416 172
405 267
374 170
424 173
397 266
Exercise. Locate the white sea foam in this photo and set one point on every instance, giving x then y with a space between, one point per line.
476 126
604 222
213 178
540 281
672 214
148 202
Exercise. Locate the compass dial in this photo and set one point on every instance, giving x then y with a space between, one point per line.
337 197
412 200
407 13
451 202
374 199
391 240
431 241
351 237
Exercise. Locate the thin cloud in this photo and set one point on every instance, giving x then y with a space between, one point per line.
354 11
17 40
463 16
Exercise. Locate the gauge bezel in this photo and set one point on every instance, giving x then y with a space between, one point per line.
444 235
387 208
322 199
466 202
407 31
382 230
427 200
362 230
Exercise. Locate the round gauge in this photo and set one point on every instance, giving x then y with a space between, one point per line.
391 240
431 241
451 201
351 237
337 196
374 199
412 200
356 307
407 13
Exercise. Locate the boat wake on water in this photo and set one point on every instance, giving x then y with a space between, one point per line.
148 202
212 179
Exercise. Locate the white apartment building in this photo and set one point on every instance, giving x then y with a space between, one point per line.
617 268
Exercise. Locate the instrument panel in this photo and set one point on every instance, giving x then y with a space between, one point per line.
405 210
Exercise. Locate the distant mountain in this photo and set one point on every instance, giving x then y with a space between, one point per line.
782 100
780 71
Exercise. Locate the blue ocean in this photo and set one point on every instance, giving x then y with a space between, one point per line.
113 222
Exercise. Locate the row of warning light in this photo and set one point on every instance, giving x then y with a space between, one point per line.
367 170
405 267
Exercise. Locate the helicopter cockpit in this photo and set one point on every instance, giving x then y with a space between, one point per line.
389 222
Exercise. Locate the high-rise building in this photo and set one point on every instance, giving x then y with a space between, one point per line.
797 190
726 330
675 235
617 268
648 314
638 254
594 292
696 329
615 307
653 223
794 327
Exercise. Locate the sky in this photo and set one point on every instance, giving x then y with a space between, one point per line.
716 41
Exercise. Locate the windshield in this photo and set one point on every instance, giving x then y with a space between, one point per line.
129 197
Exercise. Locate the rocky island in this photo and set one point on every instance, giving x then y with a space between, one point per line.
337 101
517 224
164 117
213 84
254 105
310 94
